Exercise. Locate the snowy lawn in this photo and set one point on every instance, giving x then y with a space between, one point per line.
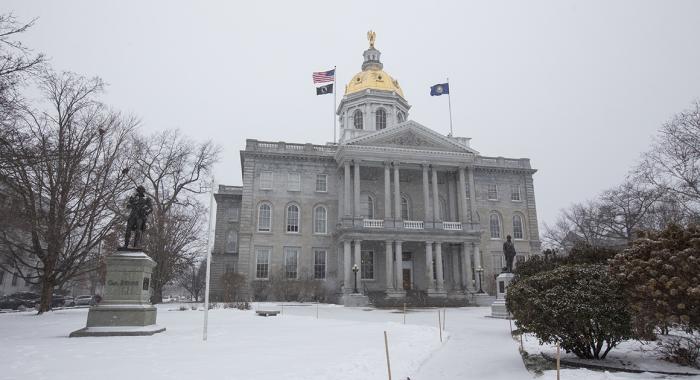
344 343
240 345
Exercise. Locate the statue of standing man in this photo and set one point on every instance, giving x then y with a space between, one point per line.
509 252
141 207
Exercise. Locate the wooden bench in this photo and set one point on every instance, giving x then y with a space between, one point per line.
266 313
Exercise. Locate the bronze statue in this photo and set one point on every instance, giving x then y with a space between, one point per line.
141 207
509 252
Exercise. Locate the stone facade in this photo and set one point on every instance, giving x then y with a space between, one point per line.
413 209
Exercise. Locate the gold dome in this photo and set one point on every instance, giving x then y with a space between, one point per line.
375 80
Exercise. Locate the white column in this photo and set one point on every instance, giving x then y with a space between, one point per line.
467 268
389 263
438 266
346 189
450 199
356 192
397 193
398 271
347 266
429 264
387 192
462 197
426 195
358 261
436 198
472 195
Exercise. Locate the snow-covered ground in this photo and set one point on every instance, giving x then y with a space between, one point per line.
631 354
343 343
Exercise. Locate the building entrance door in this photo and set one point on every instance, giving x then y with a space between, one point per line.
407 270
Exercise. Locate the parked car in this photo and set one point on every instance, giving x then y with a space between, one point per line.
29 299
68 301
84 300
8 302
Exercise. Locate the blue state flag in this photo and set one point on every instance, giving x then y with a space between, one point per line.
440 89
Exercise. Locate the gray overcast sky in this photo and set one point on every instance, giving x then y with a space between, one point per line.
579 87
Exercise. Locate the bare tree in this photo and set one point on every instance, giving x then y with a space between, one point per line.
627 209
171 167
580 222
16 62
193 279
673 162
63 165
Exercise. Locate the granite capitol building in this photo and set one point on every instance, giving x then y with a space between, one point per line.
399 207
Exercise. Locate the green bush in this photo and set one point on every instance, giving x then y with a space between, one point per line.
581 307
580 253
660 274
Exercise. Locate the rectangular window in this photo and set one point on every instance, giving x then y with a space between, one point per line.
14 279
232 214
492 190
321 183
262 263
293 182
367 265
515 193
320 220
266 180
466 188
320 264
291 259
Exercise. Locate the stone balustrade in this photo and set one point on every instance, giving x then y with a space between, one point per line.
413 224
373 223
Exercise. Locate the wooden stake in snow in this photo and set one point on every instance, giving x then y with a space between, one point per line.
440 325
386 348
404 313
557 361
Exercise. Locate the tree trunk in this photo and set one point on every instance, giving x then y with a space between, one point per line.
47 286
157 296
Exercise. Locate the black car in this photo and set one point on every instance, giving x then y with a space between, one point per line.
29 299
8 302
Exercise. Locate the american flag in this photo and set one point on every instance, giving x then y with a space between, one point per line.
324 76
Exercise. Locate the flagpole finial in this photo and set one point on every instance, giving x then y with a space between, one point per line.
371 36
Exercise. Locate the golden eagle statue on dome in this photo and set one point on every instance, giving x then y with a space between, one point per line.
371 36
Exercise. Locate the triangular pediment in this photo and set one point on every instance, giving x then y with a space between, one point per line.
410 135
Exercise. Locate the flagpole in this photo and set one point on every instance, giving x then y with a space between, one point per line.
335 92
449 104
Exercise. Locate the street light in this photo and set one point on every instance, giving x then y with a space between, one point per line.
210 189
480 270
355 269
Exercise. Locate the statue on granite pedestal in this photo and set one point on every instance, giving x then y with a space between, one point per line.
141 207
509 252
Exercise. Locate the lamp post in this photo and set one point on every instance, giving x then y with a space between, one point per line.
479 271
355 269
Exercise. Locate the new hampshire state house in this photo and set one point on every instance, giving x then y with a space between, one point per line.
395 212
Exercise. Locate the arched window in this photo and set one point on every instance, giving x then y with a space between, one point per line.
357 119
232 242
320 220
264 217
405 209
517 227
400 117
367 206
380 118
495 226
292 218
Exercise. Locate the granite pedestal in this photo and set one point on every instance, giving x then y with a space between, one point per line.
355 300
125 308
498 308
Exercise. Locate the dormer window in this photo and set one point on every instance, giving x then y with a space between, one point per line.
357 119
